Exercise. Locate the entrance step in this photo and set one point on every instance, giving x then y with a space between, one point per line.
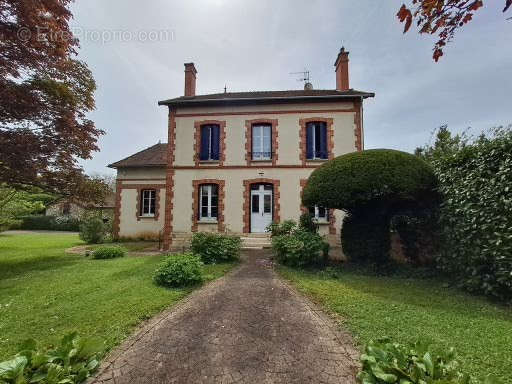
256 241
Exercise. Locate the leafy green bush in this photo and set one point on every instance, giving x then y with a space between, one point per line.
387 362
300 248
284 228
475 181
308 223
216 247
93 230
179 270
49 223
110 252
71 362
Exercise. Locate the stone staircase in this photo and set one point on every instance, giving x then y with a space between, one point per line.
255 241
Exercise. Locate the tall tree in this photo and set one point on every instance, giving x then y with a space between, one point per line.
441 17
45 96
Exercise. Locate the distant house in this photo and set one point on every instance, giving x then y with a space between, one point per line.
238 161
74 208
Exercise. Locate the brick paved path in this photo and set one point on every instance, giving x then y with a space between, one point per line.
248 327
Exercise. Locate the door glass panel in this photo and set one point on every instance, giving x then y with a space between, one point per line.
255 203
267 203
268 187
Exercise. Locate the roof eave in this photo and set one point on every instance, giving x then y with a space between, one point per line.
115 166
185 102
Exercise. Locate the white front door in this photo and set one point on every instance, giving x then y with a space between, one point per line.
261 207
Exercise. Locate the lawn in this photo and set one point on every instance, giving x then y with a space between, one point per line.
409 309
45 293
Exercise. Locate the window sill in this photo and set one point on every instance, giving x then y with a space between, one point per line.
207 221
261 161
209 162
316 160
323 222
147 217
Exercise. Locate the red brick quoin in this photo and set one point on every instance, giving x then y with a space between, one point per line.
247 201
195 202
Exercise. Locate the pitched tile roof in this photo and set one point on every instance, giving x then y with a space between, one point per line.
155 156
266 96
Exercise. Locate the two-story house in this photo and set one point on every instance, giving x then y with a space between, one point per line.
238 161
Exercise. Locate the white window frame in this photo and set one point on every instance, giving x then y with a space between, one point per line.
319 219
261 128
146 198
209 188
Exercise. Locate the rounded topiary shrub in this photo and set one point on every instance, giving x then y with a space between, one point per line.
376 175
179 270
371 186
108 252
216 247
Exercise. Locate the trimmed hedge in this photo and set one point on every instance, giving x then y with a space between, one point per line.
476 214
179 270
216 247
49 223
376 175
110 252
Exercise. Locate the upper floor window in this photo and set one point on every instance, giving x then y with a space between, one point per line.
210 135
321 214
208 202
316 141
262 142
148 199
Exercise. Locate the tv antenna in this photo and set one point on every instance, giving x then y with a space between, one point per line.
304 73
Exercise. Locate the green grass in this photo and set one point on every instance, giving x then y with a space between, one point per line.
45 293
410 309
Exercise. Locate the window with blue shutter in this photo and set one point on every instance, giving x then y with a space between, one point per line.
210 142
316 141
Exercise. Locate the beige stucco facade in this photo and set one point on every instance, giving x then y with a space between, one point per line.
289 169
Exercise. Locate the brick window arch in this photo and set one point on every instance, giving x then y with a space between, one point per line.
248 138
330 136
196 184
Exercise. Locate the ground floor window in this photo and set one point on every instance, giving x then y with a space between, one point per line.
147 206
209 202
321 214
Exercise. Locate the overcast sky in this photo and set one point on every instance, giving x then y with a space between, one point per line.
255 44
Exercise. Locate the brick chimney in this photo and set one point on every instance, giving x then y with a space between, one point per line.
341 64
190 79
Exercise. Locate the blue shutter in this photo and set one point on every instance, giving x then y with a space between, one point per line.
309 141
215 141
323 141
205 142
